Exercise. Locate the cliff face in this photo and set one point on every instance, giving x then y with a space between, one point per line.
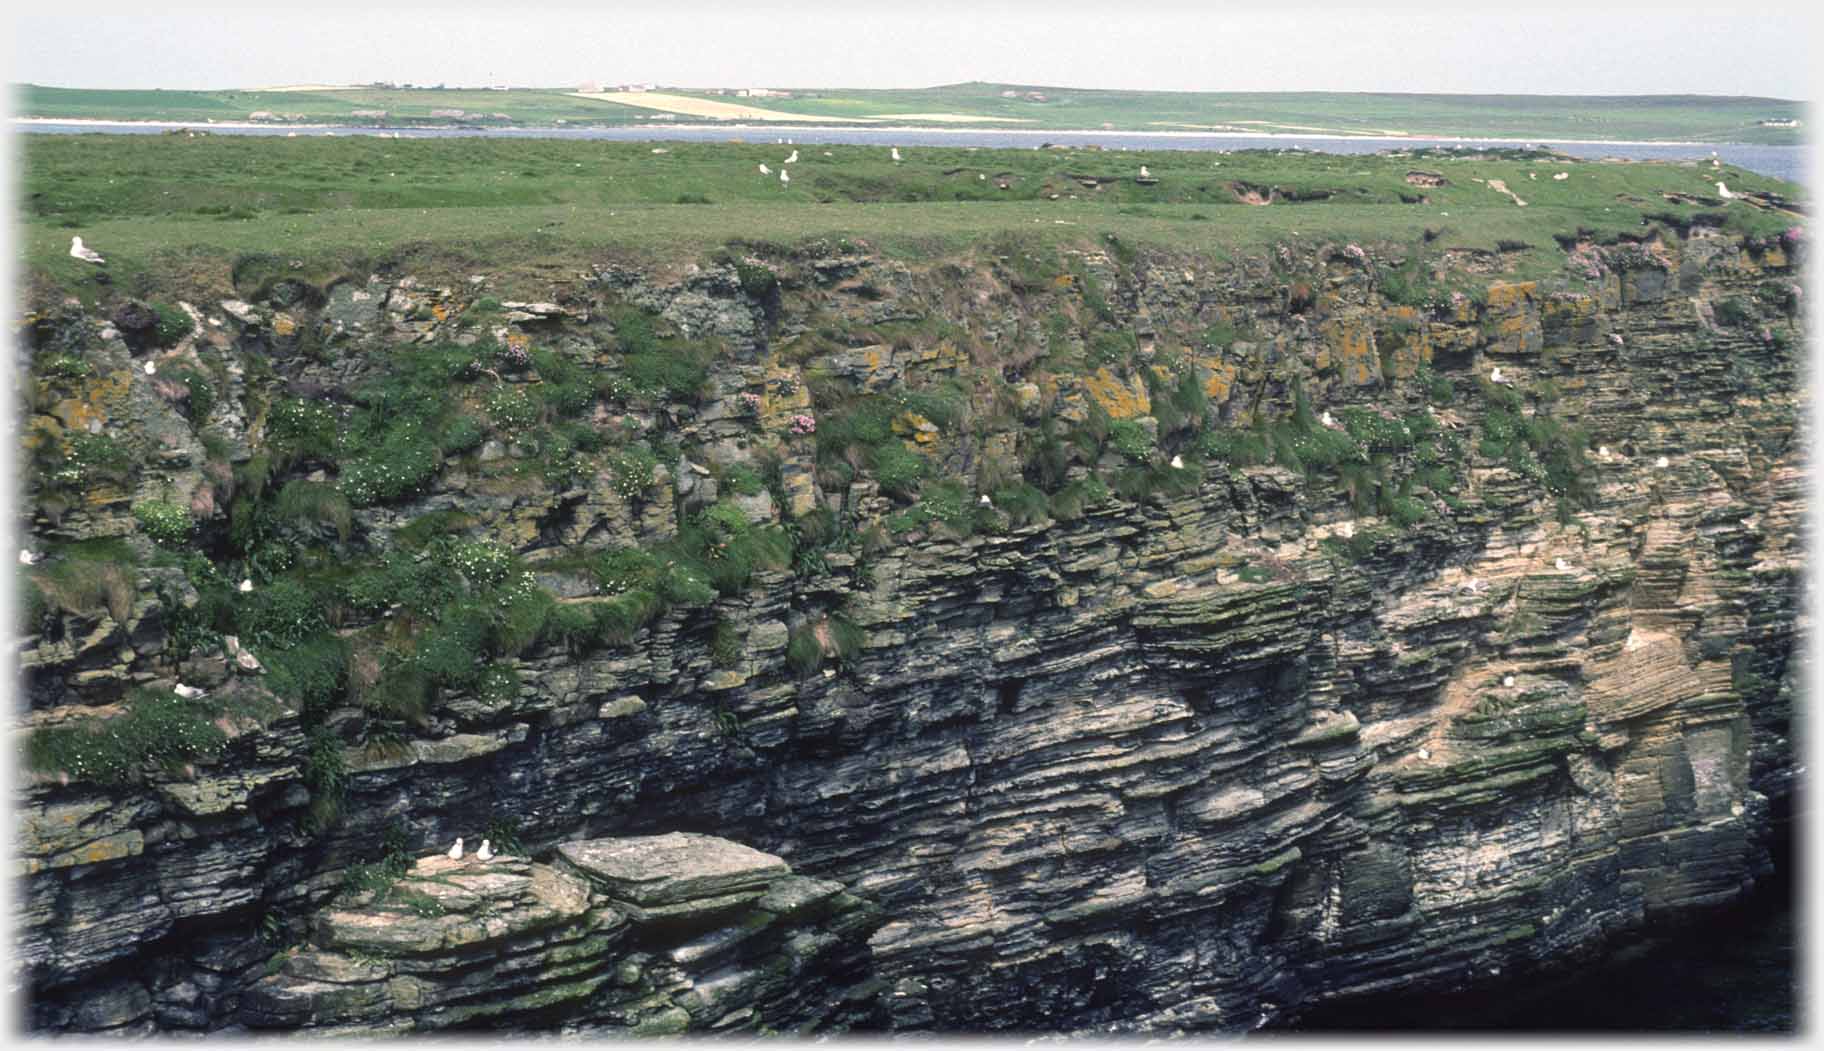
1231 740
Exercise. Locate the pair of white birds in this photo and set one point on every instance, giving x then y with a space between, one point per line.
486 851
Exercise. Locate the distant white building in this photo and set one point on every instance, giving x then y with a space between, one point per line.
761 93
1789 122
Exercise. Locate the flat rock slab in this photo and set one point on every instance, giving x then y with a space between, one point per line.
676 867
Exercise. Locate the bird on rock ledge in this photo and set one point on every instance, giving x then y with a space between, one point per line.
486 851
456 851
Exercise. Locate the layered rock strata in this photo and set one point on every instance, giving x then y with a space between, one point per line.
1177 764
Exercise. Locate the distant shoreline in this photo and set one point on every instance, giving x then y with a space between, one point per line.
777 129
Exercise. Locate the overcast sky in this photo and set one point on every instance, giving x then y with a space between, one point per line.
1539 47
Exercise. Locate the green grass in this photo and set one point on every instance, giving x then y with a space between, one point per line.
1666 117
344 205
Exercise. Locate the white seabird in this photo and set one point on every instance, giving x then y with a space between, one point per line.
793 159
456 851
1144 174
1723 192
189 693
1561 176
1662 462
1560 565
764 170
485 852
1602 451
985 501
1178 463
1326 419
1506 681
151 369
246 586
27 558
1495 376
79 251
785 177
896 153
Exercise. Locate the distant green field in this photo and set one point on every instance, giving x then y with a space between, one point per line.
172 203
1686 118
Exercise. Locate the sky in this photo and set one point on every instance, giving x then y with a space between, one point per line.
1546 47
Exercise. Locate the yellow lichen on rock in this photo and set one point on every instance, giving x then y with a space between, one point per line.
1510 295
1121 399
283 325
1220 379
1348 345
915 427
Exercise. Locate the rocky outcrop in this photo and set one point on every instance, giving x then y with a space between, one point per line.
1194 760
648 935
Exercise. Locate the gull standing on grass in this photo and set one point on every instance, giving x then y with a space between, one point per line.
785 177
80 251
764 170
896 155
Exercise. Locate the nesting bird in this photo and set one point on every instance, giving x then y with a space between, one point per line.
896 154
985 502
785 178
793 159
1144 174
27 558
1662 462
1602 451
1495 376
151 369
246 585
1560 565
455 853
1327 420
1177 463
764 170
1505 681
188 693
486 851
80 251
1561 176
1723 192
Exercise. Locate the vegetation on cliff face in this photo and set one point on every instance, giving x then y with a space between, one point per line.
619 535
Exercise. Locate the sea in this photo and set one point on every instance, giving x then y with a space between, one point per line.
1790 163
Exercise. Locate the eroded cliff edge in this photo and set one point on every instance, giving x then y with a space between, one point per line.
1164 733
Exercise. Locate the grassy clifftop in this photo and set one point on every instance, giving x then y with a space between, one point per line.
186 206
